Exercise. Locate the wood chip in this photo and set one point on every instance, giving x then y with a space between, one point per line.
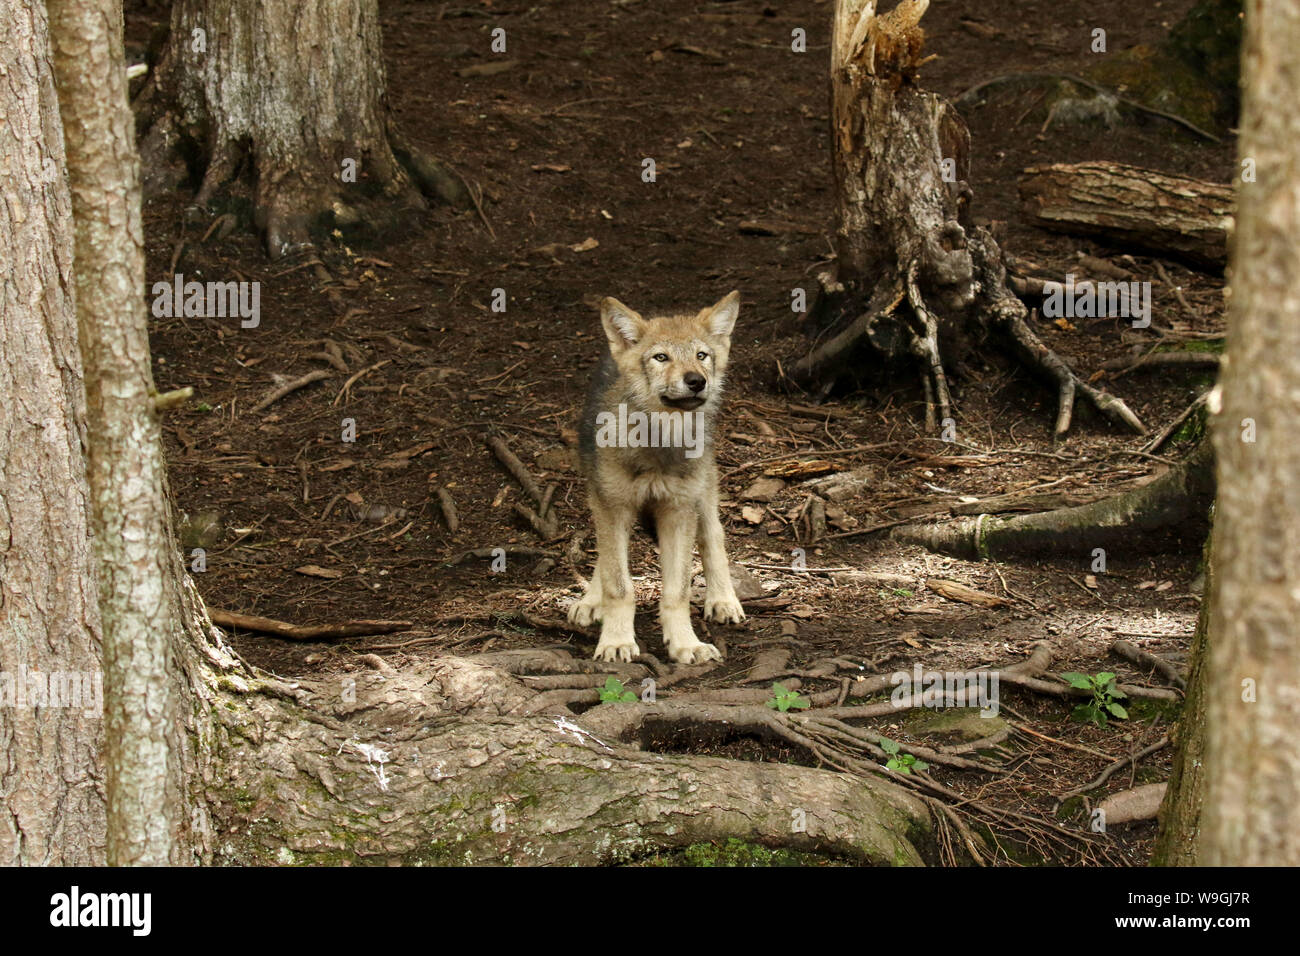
955 591
315 571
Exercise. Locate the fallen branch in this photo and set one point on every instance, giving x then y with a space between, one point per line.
448 506
508 550
1167 432
303 632
1193 360
970 95
1130 806
287 388
543 521
1135 655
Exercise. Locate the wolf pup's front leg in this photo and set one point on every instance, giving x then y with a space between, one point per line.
720 602
676 522
610 598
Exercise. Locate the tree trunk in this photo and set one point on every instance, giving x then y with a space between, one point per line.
914 276
1252 752
294 92
49 614
134 554
1172 215
1180 811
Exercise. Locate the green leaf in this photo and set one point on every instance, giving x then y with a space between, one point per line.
1104 678
1081 681
921 765
774 703
894 764
779 690
888 746
1117 710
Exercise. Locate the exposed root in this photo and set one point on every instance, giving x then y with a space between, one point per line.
925 344
1171 508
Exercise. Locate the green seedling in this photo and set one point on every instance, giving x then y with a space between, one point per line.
903 763
616 692
783 699
1105 694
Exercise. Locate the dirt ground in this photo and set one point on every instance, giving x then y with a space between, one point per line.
300 526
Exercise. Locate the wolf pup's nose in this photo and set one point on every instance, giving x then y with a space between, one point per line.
694 381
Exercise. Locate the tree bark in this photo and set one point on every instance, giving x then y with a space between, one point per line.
132 546
296 92
49 612
1180 811
1252 753
1169 215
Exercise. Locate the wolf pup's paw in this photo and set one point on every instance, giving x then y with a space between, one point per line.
696 652
616 647
723 610
586 610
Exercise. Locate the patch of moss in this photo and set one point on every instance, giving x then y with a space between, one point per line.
1162 81
736 852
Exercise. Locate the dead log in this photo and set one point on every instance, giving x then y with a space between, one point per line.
1171 215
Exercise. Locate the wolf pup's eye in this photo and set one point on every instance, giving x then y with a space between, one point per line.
660 357
701 355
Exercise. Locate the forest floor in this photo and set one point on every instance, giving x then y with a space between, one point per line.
302 527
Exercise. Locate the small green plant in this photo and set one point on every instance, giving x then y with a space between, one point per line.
1104 701
616 692
203 407
783 699
903 763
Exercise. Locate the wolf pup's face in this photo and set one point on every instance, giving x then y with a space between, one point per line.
672 362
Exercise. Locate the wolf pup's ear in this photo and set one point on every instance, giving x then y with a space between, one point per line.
722 317
623 327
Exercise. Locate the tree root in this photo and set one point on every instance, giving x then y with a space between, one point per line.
428 765
1167 511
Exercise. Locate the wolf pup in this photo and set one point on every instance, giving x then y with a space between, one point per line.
646 448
